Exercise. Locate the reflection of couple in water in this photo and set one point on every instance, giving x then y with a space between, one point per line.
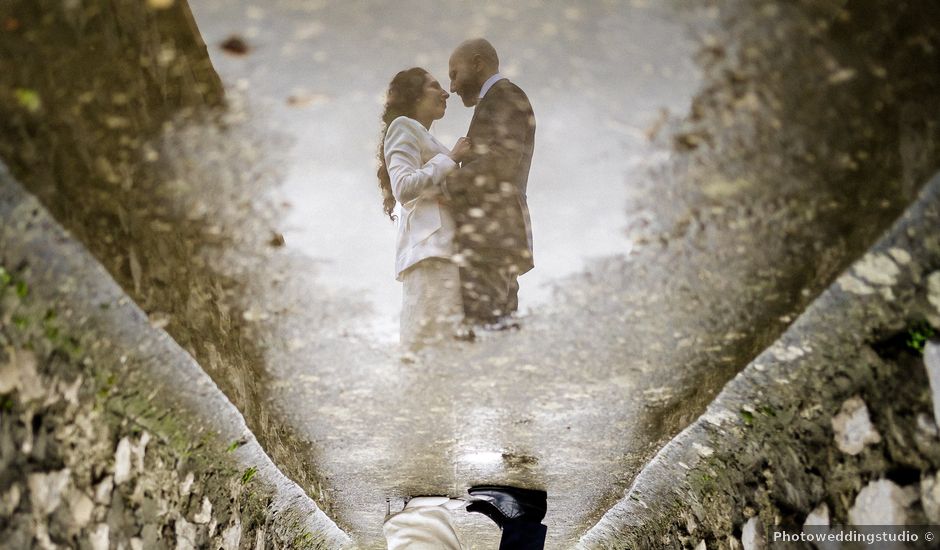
464 235
464 238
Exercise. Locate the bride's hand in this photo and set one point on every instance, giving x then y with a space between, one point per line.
460 150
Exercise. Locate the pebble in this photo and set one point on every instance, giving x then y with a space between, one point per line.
185 535
140 450
901 256
817 523
933 290
122 461
850 284
81 507
703 450
100 537
853 428
930 497
787 354
752 535
232 535
103 490
20 374
45 490
926 425
205 514
819 517
881 502
187 484
878 269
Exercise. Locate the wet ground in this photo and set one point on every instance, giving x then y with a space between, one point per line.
679 248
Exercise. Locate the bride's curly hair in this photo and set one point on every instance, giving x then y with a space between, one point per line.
401 99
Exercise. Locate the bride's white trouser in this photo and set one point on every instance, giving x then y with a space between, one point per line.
432 307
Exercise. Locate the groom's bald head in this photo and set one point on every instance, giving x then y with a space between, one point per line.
478 48
472 62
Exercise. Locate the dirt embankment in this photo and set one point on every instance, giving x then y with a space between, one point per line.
118 123
79 471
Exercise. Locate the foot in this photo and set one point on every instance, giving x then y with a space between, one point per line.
505 322
464 333
509 503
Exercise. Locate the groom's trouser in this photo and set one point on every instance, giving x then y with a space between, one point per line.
523 535
490 292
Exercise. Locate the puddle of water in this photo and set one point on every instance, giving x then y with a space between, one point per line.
303 75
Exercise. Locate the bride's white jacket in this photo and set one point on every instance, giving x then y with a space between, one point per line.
417 165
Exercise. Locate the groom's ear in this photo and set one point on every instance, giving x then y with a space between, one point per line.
478 64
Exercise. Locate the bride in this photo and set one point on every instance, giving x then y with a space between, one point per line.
413 165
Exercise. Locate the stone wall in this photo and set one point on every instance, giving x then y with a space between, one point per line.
834 424
78 472
111 436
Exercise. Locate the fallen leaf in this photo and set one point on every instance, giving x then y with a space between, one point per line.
235 45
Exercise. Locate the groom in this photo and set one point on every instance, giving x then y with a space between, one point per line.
488 192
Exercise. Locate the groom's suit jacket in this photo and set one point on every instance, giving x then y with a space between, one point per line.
489 189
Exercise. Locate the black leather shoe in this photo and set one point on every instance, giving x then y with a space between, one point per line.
512 503
488 510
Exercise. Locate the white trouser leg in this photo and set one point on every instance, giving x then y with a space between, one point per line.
420 527
431 303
